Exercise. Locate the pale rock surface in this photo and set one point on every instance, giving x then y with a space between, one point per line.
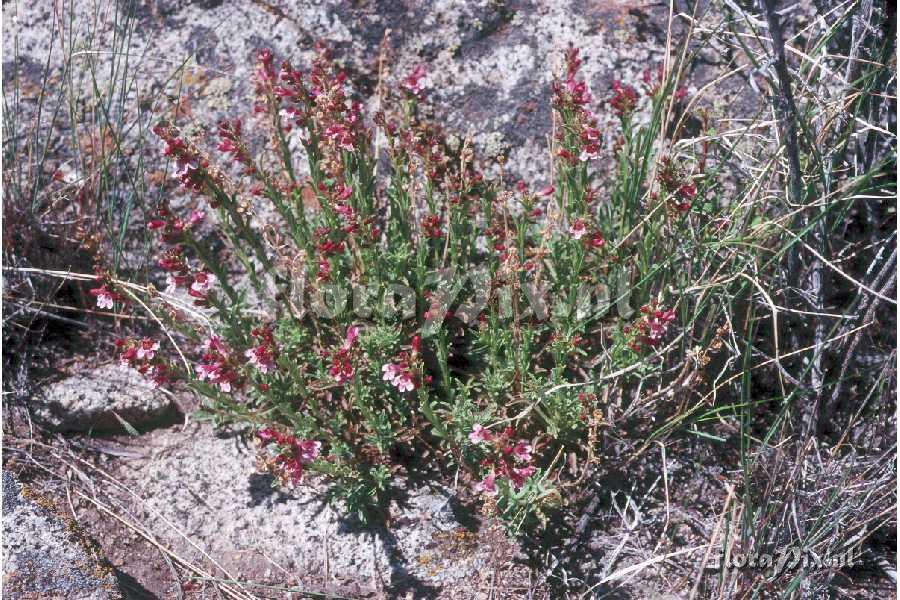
45 558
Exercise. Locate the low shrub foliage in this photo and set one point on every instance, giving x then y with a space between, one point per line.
373 299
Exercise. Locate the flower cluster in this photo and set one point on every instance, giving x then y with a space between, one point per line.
580 229
680 190
581 140
179 274
190 166
341 368
232 144
170 227
288 456
142 356
507 458
216 365
650 328
412 83
624 99
263 355
431 226
106 297
400 373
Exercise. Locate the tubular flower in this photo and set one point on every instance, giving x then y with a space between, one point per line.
624 99
480 434
578 229
105 298
412 83
215 366
288 455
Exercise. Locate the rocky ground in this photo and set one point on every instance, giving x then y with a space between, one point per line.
490 62
182 498
46 554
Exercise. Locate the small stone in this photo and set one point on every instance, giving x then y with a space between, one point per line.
91 399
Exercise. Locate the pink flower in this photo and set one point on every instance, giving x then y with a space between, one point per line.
341 136
197 216
324 270
658 324
104 297
291 469
342 192
488 485
398 376
578 229
341 366
624 99
688 190
350 337
128 355
341 369
147 349
215 368
215 344
173 282
158 376
548 191
480 434
202 282
261 358
185 168
268 435
573 62
578 91
413 81
519 475
404 382
309 450
217 374
522 451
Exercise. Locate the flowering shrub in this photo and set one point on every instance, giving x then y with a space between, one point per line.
473 345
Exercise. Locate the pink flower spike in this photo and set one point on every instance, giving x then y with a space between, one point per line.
548 191
197 216
480 434
488 485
